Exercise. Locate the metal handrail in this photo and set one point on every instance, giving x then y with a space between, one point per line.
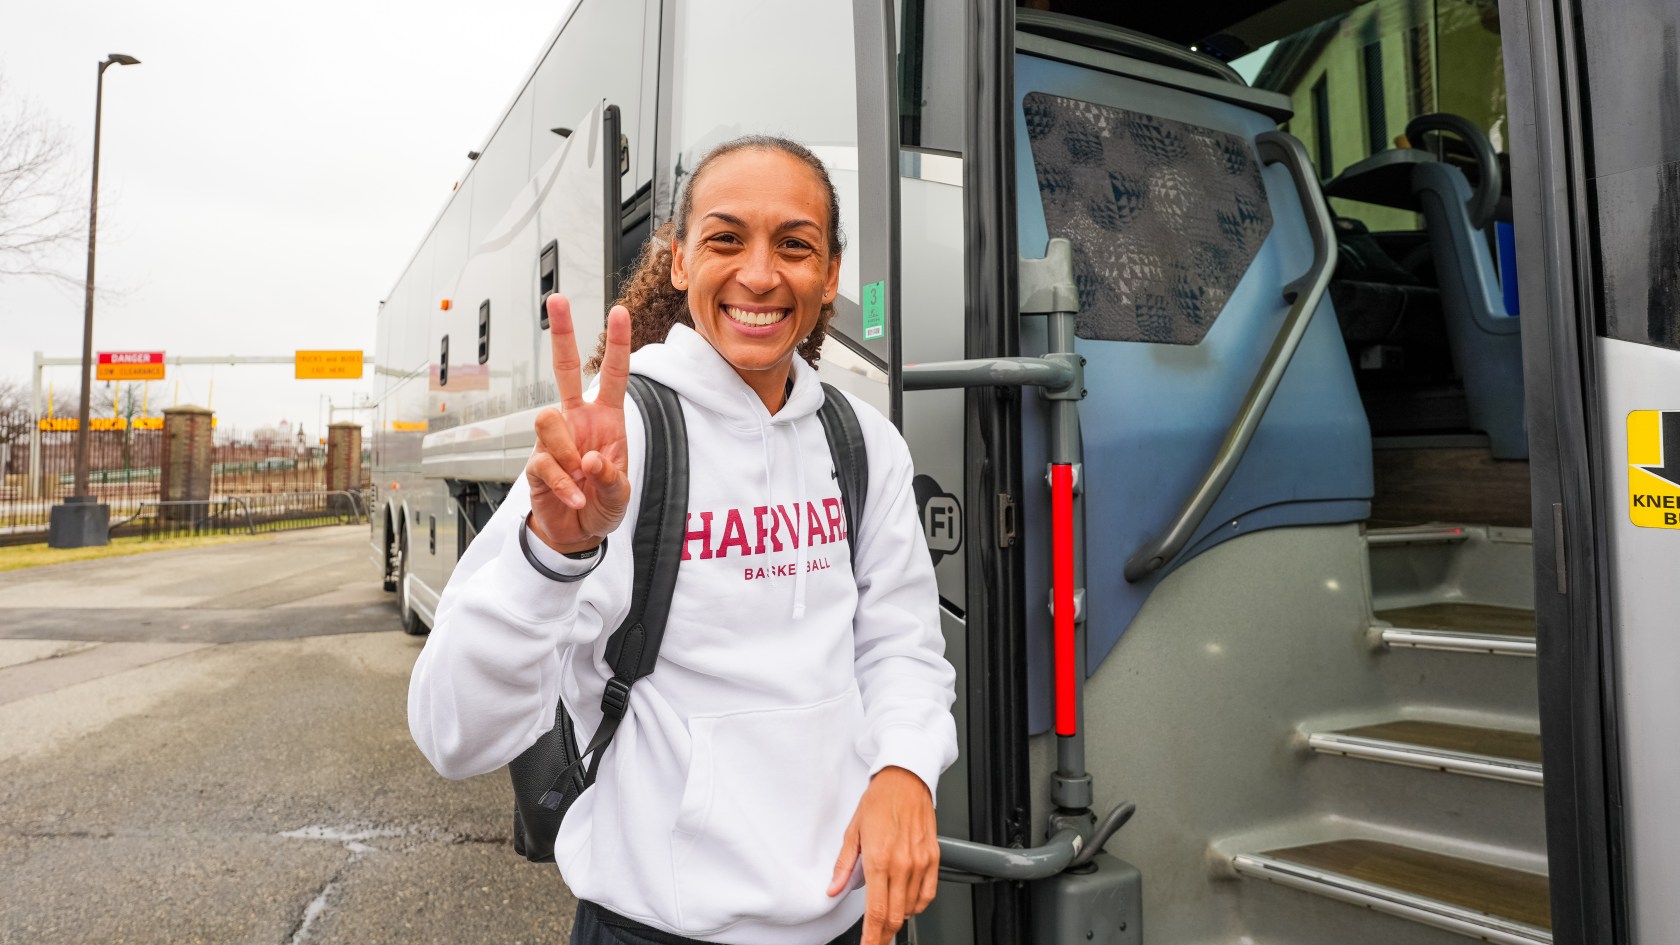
208 505
988 372
1047 288
1304 293
250 524
139 510
1076 840
466 518
1010 863
357 509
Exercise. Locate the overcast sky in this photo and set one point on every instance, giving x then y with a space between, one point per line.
265 173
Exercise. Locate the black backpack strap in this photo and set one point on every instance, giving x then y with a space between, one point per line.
851 459
633 648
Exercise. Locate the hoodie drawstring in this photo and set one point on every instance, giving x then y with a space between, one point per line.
799 503
797 521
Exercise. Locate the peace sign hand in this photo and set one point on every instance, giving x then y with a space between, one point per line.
579 473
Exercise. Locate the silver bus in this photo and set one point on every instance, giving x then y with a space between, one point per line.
1294 389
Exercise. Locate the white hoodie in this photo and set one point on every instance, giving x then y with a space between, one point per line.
784 681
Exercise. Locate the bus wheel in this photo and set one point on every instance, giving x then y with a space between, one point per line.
411 623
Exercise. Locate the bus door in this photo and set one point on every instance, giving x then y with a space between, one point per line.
1288 689
1596 157
1369 685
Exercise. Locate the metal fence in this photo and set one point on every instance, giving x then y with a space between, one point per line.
270 475
241 514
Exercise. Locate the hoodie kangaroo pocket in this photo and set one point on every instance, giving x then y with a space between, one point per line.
762 816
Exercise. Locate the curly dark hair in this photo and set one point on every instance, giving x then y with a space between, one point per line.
655 304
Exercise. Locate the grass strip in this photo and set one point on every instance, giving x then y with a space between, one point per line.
17 557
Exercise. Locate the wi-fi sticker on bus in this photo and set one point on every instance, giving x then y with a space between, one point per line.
941 515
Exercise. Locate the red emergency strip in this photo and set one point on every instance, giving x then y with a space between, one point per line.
1061 570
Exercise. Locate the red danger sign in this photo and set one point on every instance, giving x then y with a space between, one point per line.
130 366
131 357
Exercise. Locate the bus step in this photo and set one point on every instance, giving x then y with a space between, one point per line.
1467 628
1496 754
1480 900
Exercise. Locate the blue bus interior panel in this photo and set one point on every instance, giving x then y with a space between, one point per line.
1486 342
1159 403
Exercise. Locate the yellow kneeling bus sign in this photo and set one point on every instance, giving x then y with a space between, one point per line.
1654 468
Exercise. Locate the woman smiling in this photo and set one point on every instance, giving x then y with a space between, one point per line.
773 779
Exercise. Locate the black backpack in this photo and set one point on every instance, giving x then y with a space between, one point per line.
549 776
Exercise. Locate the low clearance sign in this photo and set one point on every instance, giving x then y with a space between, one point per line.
130 366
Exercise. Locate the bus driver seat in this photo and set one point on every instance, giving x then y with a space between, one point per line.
1485 344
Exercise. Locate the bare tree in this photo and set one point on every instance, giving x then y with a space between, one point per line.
129 403
41 205
124 399
103 402
15 421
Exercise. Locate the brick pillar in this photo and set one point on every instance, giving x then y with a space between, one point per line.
187 442
344 462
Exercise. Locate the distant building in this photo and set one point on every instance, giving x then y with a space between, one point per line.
1356 81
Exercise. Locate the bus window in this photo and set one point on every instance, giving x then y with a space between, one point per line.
1356 80
1322 145
1424 301
484 332
598 56
548 278
932 58
501 169
709 104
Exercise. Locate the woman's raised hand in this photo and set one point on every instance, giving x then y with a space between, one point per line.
579 474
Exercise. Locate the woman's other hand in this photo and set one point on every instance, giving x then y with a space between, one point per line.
580 482
895 833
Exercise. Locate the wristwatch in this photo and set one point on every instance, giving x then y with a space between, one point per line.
597 553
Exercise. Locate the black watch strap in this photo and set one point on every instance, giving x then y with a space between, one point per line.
599 554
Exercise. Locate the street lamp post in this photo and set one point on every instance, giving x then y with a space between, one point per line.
80 521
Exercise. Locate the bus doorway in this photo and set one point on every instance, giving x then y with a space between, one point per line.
1330 655
1309 617
1404 109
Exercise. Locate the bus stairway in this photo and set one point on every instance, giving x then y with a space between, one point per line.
1417 605
1440 823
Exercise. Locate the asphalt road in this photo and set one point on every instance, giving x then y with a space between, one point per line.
209 745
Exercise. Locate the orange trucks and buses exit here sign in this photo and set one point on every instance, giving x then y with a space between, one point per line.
130 366
329 365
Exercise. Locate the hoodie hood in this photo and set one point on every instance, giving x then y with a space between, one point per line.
688 364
